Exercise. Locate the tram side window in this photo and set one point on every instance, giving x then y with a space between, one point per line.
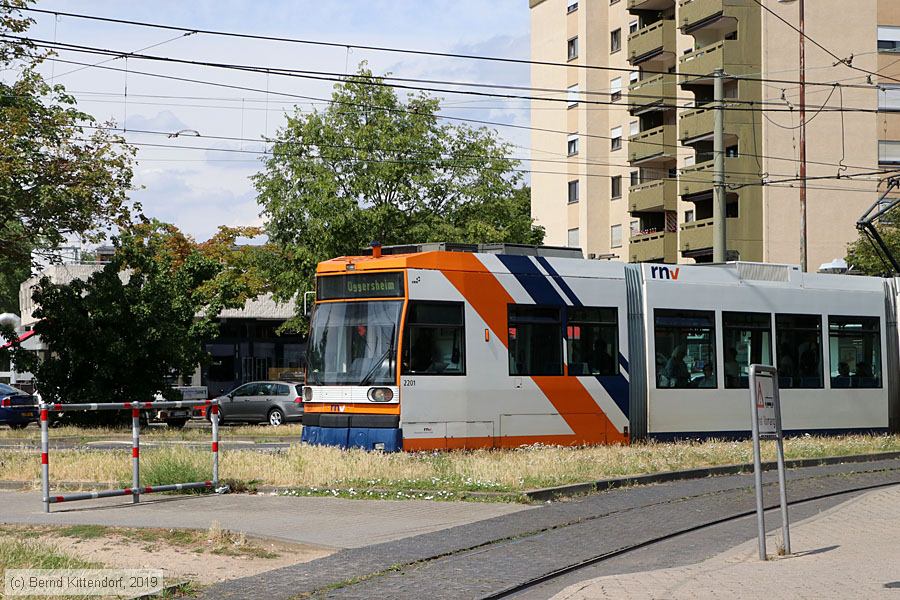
535 341
854 345
685 348
592 341
799 351
747 340
434 340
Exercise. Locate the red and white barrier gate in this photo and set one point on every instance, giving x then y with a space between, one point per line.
135 490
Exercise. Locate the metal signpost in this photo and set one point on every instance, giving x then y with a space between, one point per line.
765 410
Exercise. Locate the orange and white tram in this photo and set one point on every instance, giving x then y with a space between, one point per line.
443 346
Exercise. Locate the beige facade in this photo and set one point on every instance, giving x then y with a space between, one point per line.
649 198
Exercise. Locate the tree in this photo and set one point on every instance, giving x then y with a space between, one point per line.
60 176
861 254
372 167
129 330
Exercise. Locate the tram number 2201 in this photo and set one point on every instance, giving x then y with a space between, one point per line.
409 383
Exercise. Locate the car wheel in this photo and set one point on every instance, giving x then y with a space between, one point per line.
276 417
18 425
177 423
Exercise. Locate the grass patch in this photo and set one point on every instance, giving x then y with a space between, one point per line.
34 554
84 532
174 465
256 433
504 474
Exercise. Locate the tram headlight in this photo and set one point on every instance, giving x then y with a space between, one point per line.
381 394
307 394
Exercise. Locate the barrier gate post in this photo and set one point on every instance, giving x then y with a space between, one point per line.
214 419
45 459
135 456
135 491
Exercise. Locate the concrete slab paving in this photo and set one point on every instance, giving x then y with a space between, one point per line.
849 551
318 521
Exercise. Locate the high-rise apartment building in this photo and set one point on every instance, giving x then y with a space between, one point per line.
636 131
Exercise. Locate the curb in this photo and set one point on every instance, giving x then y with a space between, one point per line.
579 489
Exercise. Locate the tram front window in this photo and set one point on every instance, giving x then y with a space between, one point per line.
354 343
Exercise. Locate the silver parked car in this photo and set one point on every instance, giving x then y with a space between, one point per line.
275 402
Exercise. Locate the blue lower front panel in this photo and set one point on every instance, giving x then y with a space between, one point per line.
367 438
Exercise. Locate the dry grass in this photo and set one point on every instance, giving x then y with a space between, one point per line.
480 470
156 433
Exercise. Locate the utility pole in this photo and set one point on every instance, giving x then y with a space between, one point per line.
803 264
719 249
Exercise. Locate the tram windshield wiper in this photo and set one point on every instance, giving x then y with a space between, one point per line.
379 362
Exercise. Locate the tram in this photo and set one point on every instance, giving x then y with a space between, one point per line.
441 346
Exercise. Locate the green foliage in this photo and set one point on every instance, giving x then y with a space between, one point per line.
166 467
12 273
372 167
127 331
861 253
59 177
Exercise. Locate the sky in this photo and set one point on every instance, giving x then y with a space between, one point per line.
200 189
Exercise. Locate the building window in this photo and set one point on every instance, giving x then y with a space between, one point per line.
615 187
633 26
434 340
888 152
854 347
635 178
685 348
888 39
889 97
634 127
615 236
634 77
747 339
535 341
572 48
615 138
635 228
688 216
573 238
799 350
615 40
572 144
573 191
615 89
592 341
571 6
572 95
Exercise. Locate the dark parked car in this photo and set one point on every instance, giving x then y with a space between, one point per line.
17 408
275 402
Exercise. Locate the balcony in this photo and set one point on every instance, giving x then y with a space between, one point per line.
699 124
650 4
653 196
651 40
660 246
695 12
700 64
698 179
658 144
653 93
696 235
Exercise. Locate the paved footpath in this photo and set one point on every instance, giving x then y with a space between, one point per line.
326 522
849 551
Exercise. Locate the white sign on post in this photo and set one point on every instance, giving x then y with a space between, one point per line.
766 418
764 399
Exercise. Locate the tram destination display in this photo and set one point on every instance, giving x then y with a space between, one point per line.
361 285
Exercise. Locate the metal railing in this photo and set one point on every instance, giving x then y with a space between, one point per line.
136 489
